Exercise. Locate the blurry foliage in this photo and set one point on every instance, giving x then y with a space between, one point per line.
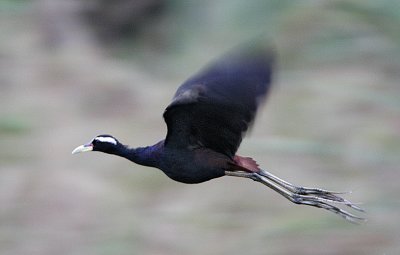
305 32
14 5
13 125
121 19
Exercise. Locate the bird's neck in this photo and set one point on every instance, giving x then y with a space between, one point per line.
146 156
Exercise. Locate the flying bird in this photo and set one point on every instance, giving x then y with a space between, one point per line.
207 119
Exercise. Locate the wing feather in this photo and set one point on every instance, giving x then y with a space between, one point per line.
215 108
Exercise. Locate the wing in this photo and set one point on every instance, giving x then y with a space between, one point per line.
214 108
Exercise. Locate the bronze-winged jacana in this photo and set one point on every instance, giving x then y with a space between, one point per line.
207 119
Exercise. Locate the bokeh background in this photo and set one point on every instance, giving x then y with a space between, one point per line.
72 69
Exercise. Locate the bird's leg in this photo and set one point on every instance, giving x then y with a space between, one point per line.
305 199
329 196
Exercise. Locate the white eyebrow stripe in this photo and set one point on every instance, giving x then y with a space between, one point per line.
106 140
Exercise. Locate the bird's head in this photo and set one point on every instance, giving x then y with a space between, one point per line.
103 143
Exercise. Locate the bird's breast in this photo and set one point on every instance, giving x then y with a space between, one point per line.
194 166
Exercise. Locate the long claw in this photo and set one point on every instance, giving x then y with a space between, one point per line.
346 215
307 190
336 199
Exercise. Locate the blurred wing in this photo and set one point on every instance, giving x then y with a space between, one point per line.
214 108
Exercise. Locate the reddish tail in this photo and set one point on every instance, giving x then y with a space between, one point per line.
246 164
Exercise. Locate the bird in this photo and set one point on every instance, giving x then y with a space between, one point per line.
207 119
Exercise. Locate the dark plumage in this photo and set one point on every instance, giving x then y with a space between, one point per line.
207 119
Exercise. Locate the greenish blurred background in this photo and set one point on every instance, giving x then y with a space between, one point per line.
72 69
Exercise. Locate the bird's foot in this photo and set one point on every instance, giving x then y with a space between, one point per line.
302 195
323 195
